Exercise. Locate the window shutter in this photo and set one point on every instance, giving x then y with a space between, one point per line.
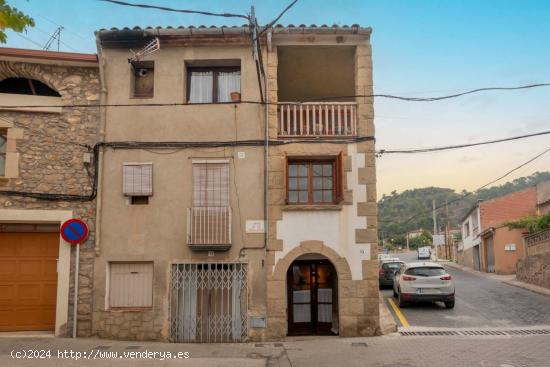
286 177
131 284
137 179
340 177
210 184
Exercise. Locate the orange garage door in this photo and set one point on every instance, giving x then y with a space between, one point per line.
28 280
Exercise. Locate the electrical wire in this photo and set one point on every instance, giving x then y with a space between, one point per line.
433 99
476 190
448 147
164 8
320 99
155 145
270 24
30 40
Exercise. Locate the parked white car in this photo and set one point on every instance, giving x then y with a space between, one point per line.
424 253
383 256
423 282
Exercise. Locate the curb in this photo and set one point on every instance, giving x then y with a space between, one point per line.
387 322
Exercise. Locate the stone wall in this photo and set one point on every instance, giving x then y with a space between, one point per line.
538 243
50 162
129 325
535 270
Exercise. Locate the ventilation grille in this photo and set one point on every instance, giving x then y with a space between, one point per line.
512 332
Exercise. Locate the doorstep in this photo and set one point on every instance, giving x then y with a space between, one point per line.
27 334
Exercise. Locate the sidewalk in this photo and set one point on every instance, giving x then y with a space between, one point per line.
507 279
383 351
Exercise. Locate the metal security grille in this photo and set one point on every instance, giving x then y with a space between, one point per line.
208 303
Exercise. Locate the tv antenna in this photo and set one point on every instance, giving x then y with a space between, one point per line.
55 36
148 49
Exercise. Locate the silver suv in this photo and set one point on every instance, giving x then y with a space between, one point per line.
423 282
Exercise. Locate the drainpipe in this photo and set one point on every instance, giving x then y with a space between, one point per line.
266 149
102 124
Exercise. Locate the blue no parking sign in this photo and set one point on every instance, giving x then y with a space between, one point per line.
74 231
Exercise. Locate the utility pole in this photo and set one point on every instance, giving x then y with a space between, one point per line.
447 248
407 240
434 218
435 227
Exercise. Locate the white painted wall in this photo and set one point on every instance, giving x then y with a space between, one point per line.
472 239
336 228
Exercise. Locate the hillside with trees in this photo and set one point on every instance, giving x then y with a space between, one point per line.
412 209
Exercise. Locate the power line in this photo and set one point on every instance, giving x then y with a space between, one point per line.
146 6
175 104
59 25
448 147
153 145
433 99
270 24
59 39
30 40
478 189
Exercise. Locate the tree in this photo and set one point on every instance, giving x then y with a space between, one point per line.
424 239
11 18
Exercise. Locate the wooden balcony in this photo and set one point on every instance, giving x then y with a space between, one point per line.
209 228
317 120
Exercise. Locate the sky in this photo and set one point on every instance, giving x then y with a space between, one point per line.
420 48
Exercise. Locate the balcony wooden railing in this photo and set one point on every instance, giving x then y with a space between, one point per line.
209 228
317 119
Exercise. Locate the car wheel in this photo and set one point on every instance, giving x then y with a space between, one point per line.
450 304
394 292
400 302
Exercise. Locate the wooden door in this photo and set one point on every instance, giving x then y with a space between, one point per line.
28 281
312 297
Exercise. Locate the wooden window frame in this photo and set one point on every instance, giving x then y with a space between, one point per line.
150 67
4 134
337 179
215 74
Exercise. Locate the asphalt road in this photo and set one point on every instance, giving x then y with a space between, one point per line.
480 302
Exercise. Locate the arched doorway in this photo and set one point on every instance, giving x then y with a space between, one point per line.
312 296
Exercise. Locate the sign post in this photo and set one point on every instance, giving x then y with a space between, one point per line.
75 231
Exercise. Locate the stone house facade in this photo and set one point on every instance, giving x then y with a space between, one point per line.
225 218
44 152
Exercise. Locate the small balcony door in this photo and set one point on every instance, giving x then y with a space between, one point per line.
312 298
